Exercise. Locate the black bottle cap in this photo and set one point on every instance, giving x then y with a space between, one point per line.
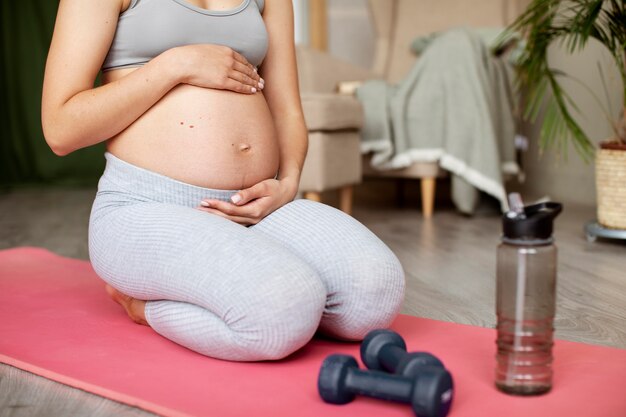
535 223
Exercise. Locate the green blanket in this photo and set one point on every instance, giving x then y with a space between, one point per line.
455 107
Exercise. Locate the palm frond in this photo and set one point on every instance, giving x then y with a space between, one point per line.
571 23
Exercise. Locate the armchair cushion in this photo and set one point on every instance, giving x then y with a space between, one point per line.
327 111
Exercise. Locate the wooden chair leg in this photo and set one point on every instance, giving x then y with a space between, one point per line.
313 196
428 196
345 199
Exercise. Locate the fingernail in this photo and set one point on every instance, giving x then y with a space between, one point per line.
255 69
262 81
235 198
261 85
253 90
205 204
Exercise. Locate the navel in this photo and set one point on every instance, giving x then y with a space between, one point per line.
244 147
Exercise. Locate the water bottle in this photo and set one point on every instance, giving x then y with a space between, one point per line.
526 298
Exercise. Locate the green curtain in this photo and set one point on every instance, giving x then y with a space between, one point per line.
25 158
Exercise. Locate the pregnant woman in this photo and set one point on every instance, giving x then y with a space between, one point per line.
194 226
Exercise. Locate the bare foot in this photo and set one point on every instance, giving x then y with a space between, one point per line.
134 308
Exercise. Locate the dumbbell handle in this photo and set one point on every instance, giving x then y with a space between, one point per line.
380 385
390 356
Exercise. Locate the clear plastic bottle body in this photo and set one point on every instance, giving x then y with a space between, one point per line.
525 308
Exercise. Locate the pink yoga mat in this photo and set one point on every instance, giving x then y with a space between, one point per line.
57 321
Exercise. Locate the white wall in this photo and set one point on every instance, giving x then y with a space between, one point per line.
350 33
301 21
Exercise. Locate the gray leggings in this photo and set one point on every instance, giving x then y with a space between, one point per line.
233 292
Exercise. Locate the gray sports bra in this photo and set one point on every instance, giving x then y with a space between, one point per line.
150 27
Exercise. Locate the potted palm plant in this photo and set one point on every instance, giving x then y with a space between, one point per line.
573 23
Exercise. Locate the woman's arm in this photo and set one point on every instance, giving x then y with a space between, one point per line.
76 115
281 89
283 97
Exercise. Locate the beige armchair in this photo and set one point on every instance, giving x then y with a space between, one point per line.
334 119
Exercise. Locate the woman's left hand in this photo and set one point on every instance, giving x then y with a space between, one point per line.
249 206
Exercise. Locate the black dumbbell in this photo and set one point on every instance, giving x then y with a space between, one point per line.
429 392
385 350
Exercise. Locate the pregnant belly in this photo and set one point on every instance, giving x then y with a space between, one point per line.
206 137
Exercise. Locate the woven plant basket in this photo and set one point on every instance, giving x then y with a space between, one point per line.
611 187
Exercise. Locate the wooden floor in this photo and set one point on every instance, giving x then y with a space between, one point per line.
449 263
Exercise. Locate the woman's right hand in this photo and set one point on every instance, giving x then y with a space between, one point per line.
217 66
